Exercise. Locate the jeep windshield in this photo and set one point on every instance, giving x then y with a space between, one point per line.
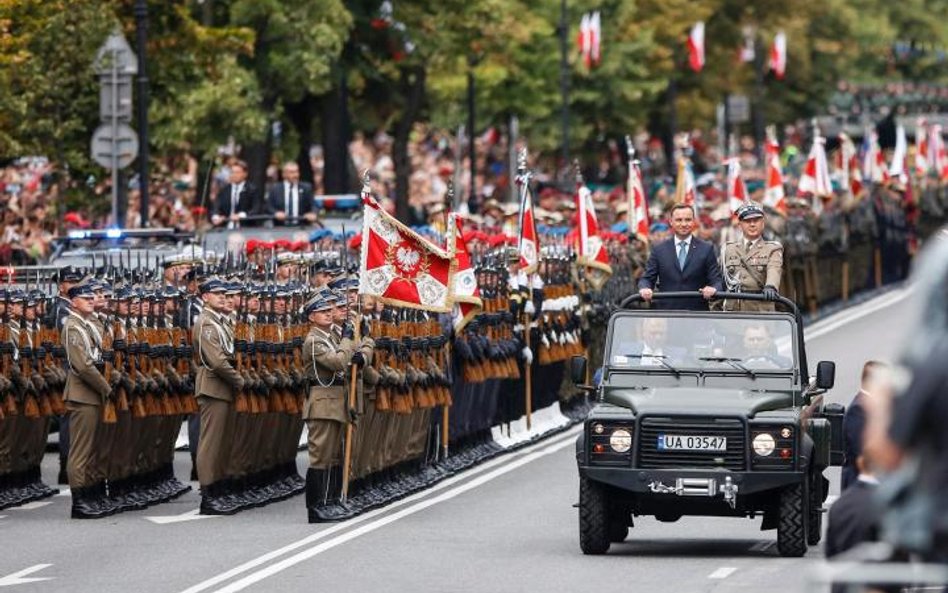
665 342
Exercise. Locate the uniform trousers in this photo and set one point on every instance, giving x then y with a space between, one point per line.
84 446
325 443
217 436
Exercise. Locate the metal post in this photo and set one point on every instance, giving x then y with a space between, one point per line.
513 133
471 119
141 29
564 79
113 122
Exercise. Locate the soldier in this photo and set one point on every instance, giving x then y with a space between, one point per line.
68 276
85 393
326 411
752 264
215 386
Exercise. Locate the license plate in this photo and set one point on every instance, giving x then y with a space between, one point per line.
688 442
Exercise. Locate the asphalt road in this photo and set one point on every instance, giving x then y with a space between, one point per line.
504 526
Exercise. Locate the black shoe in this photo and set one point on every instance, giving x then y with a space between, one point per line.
213 501
317 490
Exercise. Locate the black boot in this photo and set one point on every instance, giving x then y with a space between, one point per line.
317 493
214 501
336 509
63 478
43 491
194 467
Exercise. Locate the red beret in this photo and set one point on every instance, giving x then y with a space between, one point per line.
252 245
355 243
299 246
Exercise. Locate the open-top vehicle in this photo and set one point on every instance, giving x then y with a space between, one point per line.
706 413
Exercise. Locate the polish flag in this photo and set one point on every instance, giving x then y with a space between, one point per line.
588 41
874 169
736 190
922 164
774 195
638 204
529 240
467 294
591 251
815 178
778 55
696 47
848 164
897 168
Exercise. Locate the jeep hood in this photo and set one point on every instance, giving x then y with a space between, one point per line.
703 401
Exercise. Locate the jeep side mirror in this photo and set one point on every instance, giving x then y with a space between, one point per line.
825 374
577 370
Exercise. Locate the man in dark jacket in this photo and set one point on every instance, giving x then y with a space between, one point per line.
854 424
683 263
235 200
291 201
854 517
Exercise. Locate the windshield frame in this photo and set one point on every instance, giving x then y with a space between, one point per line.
798 369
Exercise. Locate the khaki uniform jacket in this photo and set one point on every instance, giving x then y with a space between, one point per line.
749 270
85 384
214 348
326 360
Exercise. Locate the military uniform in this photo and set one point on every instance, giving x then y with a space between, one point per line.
215 386
752 266
85 392
326 412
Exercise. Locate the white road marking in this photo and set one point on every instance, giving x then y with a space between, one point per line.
723 572
282 565
834 322
191 515
3 516
65 492
20 578
31 506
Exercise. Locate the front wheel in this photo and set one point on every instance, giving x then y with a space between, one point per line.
594 529
792 522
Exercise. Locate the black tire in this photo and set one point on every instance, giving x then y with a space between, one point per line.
594 532
815 525
792 522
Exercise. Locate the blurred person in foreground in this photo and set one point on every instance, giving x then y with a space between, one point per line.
905 432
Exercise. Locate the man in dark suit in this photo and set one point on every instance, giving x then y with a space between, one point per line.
291 201
854 424
235 200
854 517
682 263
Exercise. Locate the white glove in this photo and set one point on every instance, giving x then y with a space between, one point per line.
529 308
527 355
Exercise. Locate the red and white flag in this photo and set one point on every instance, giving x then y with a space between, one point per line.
898 166
815 179
736 189
922 164
848 164
591 251
399 266
467 295
696 47
528 242
774 194
589 39
686 191
638 204
874 169
778 55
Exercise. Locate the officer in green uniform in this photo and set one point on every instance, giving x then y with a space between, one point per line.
752 264
326 413
215 386
85 392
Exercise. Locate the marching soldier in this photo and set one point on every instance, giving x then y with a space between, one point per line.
215 387
752 264
326 409
85 394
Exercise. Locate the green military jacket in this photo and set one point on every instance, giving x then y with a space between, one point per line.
749 270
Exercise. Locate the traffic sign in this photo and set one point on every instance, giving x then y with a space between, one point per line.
117 53
122 141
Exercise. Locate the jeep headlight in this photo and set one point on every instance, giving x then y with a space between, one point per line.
764 444
620 440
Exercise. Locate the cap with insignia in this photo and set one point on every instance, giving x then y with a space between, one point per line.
317 303
69 274
85 288
212 285
749 211
17 296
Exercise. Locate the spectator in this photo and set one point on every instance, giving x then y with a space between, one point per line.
854 424
854 517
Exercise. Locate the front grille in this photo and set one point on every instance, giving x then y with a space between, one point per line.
650 457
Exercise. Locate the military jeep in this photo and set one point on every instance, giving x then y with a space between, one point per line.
705 413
